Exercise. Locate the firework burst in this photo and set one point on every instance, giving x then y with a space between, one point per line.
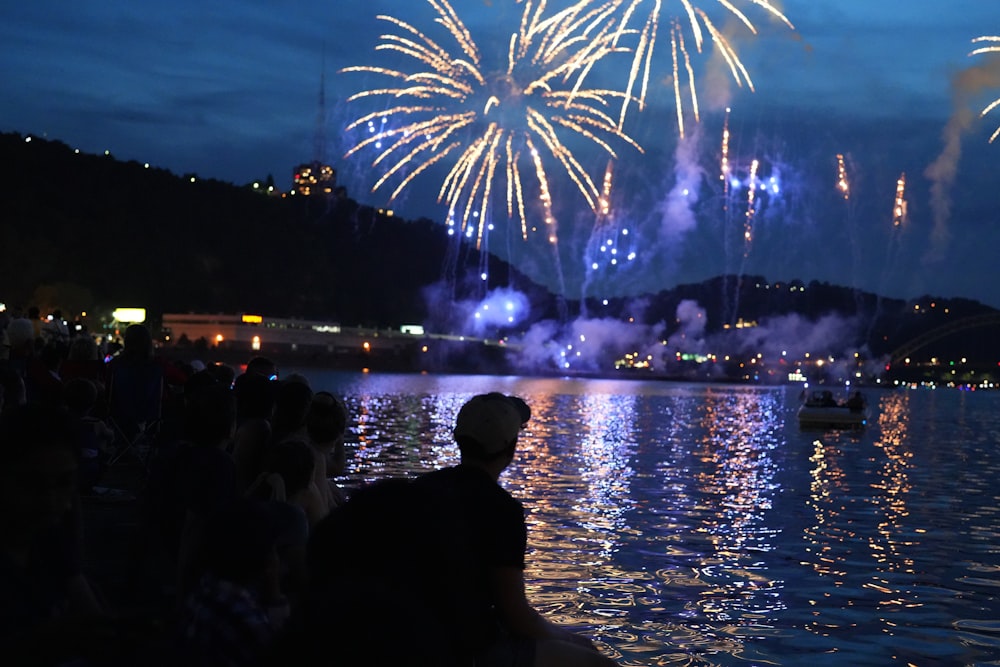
489 126
691 27
991 45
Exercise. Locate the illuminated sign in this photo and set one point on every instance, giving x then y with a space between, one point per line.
252 319
129 315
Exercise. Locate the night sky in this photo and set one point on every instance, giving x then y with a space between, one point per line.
230 90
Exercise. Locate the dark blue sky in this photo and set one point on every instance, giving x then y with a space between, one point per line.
229 90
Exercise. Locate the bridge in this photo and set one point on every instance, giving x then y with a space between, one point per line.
975 322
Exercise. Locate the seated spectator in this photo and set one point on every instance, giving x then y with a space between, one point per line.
55 329
286 485
326 422
231 617
94 437
191 478
262 366
500 626
41 379
48 612
83 360
462 592
20 345
255 396
12 390
290 409
356 574
223 373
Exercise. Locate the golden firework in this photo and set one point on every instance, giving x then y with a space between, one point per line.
992 45
490 123
701 28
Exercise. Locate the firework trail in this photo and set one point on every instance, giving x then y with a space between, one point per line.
492 126
899 219
751 189
992 46
725 175
751 212
843 187
699 27
842 183
753 183
724 169
899 205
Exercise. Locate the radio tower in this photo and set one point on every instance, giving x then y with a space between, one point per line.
317 177
319 146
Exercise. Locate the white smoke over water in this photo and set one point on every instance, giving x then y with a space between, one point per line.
594 344
676 210
966 85
501 308
792 337
583 345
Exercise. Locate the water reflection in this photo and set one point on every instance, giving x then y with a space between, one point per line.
891 547
691 525
574 470
740 432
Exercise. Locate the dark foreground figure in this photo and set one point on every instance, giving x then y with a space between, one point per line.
431 571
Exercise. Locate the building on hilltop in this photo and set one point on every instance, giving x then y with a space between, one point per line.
314 178
317 177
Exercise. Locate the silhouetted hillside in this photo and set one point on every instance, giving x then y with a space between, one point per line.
85 231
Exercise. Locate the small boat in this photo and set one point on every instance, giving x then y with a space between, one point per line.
820 410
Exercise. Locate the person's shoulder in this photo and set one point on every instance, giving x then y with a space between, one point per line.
438 477
470 484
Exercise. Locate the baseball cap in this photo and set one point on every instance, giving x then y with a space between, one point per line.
493 420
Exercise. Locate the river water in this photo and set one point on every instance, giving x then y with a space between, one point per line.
682 524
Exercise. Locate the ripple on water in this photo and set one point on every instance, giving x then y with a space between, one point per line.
693 525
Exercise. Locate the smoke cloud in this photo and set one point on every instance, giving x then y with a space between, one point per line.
501 308
585 345
676 210
966 85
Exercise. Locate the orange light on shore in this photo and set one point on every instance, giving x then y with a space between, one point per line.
219 338
367 346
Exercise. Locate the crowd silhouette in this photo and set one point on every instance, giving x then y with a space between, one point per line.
241 548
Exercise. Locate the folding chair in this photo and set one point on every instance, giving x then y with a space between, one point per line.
135 399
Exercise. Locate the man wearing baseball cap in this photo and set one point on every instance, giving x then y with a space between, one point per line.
502 626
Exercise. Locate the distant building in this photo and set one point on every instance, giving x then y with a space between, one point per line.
314 178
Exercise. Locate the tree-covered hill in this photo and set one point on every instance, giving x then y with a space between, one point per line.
80 230
89 232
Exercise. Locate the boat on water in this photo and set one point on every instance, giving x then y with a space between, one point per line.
821 410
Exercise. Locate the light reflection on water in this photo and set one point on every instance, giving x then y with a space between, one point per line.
698 525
